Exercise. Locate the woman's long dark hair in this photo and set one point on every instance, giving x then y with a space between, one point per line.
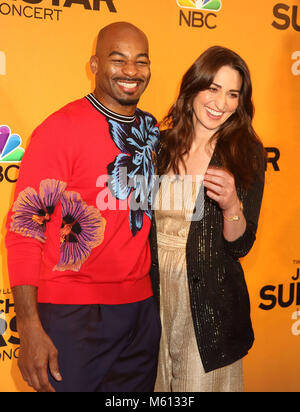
237 143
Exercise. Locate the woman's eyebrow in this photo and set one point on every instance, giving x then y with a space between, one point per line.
220 87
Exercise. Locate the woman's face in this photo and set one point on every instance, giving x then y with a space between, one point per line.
212 107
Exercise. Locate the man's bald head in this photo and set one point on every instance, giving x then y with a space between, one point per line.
121 66
119 30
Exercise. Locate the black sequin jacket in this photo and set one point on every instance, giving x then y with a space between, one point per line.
218 293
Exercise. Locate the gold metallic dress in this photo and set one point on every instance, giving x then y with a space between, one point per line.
180 368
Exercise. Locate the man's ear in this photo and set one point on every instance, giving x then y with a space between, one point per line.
94 64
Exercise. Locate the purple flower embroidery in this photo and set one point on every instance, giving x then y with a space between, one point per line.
32 210
82 230
82 226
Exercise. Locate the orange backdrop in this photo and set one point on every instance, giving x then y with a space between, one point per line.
45 46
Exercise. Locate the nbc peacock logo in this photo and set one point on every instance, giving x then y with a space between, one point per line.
10 146
209 5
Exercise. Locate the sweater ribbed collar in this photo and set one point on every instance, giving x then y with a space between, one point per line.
108 113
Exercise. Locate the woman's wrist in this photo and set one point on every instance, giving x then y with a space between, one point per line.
234 213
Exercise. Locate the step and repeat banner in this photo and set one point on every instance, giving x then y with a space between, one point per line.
45 46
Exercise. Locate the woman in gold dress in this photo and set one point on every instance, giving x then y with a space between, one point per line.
211 167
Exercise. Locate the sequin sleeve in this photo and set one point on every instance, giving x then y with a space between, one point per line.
252 199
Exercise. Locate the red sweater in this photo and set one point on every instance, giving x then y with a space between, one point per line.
79 226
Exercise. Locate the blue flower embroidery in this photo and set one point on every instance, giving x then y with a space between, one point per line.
132 171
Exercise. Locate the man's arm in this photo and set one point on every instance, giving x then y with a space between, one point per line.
37 351
43 176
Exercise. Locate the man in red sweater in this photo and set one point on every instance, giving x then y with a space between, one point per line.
77 239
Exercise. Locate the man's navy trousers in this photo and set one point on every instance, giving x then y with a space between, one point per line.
104 348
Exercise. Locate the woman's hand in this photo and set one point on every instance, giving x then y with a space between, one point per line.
220 185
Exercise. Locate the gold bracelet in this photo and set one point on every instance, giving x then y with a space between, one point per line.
234 218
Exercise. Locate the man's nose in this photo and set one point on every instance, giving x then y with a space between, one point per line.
130 69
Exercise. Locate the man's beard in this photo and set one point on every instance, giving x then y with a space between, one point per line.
125 102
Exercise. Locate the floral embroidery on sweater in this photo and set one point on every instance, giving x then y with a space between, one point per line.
33 210
82 230
132 171
82 226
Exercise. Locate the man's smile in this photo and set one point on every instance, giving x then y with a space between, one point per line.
129 86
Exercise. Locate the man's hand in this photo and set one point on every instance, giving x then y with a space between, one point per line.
37 352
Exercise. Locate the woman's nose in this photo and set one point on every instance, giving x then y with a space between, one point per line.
221 101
